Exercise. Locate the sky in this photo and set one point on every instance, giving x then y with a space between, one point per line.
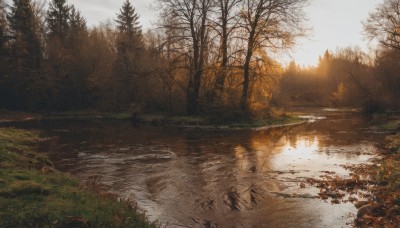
334 23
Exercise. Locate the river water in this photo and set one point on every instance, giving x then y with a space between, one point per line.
217 178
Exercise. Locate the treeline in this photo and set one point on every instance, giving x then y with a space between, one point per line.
51 60
344 78
350 77
203 55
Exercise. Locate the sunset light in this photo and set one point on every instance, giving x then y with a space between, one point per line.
199 113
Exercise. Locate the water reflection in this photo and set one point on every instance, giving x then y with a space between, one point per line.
197 178
302 148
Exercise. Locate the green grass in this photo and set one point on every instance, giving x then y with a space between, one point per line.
152 118
160 119
148 118
15 149
33 196
232 119
87 115
189 119
118 115
390 126
393 143
275 121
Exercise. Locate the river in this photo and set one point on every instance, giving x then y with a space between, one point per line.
217 178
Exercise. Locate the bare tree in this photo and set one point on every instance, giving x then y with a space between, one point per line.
269 24
190 17
383 24
226 24
175 64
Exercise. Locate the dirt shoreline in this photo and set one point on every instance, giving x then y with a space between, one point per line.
374 188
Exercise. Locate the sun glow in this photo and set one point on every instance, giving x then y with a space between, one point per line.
301 153
304 148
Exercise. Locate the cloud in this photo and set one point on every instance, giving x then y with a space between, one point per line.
96 11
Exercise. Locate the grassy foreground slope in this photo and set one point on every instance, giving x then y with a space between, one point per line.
34 194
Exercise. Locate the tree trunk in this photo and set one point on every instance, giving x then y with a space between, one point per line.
222 73
199 36
246 80
193 93
246 71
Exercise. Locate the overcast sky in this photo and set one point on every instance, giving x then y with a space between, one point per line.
335 23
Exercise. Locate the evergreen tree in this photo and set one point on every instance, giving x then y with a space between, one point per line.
128 48
3 26
78 29
25 42
25 52
66 56
78 70
77 22
128 23
57 19
3 36
3 50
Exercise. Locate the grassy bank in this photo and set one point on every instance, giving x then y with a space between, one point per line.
232 120
207 122
34 194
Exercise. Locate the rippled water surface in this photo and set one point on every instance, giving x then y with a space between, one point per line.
218 178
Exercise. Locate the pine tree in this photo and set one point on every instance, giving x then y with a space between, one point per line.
25 52
25 44
77 21
128 23
57 19
3 50
78 70
128 49
3 26
3 38
67 38
78 29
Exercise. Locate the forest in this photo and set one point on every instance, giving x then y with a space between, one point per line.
228 134
199 58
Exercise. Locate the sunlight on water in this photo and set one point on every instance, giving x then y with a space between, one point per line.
304 149
242 178
300 154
